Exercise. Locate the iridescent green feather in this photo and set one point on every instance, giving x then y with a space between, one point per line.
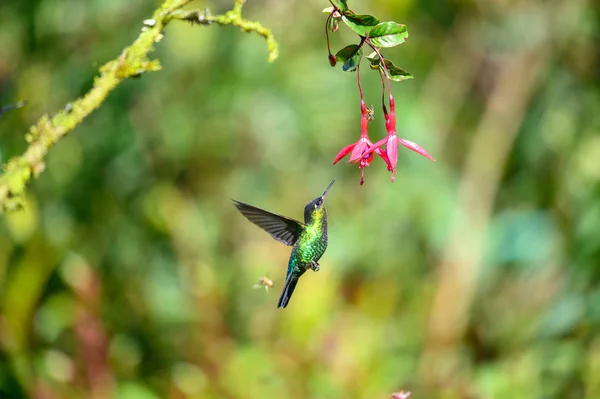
312 242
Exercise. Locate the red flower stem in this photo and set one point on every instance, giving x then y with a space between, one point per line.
364 121
360 91
327 31
387 77
383 95
362 102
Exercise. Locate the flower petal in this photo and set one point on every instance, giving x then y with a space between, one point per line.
359 150
385 158
416 148
391 149
345 151
375 146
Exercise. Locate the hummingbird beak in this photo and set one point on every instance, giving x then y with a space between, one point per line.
327 189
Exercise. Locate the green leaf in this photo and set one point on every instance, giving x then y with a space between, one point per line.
341 5
350 56
395 73
360 24
373 59
352 63
346 52
388 34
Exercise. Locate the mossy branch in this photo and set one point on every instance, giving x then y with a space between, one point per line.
132 61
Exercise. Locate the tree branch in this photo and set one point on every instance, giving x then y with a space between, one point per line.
132 61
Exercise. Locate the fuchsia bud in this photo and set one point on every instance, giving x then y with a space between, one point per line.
332 60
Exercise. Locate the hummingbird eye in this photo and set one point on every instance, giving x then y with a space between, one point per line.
318 203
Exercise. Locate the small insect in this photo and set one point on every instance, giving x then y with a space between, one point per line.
370 113
264 282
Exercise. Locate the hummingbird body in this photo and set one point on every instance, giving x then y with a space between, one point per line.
307 251
308 239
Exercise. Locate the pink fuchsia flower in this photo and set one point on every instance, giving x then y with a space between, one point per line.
392 140
400 395
358 151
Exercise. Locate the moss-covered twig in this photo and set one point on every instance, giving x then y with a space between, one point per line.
133 61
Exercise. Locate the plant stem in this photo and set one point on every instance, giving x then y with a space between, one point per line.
360 91
387 77
327 32
383 94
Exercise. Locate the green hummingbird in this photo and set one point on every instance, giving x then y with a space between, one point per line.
308 239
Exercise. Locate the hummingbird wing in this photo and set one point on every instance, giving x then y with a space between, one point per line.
281 228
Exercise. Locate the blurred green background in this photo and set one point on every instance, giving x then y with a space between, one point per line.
130 275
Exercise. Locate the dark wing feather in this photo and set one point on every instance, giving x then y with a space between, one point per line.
281 228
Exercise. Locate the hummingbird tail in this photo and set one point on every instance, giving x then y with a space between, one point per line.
288 290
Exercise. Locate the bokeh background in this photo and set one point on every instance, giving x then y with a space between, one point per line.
130 275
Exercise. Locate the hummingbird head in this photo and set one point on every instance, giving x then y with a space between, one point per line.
315 209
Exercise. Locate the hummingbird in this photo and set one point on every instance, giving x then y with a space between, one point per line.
308 240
